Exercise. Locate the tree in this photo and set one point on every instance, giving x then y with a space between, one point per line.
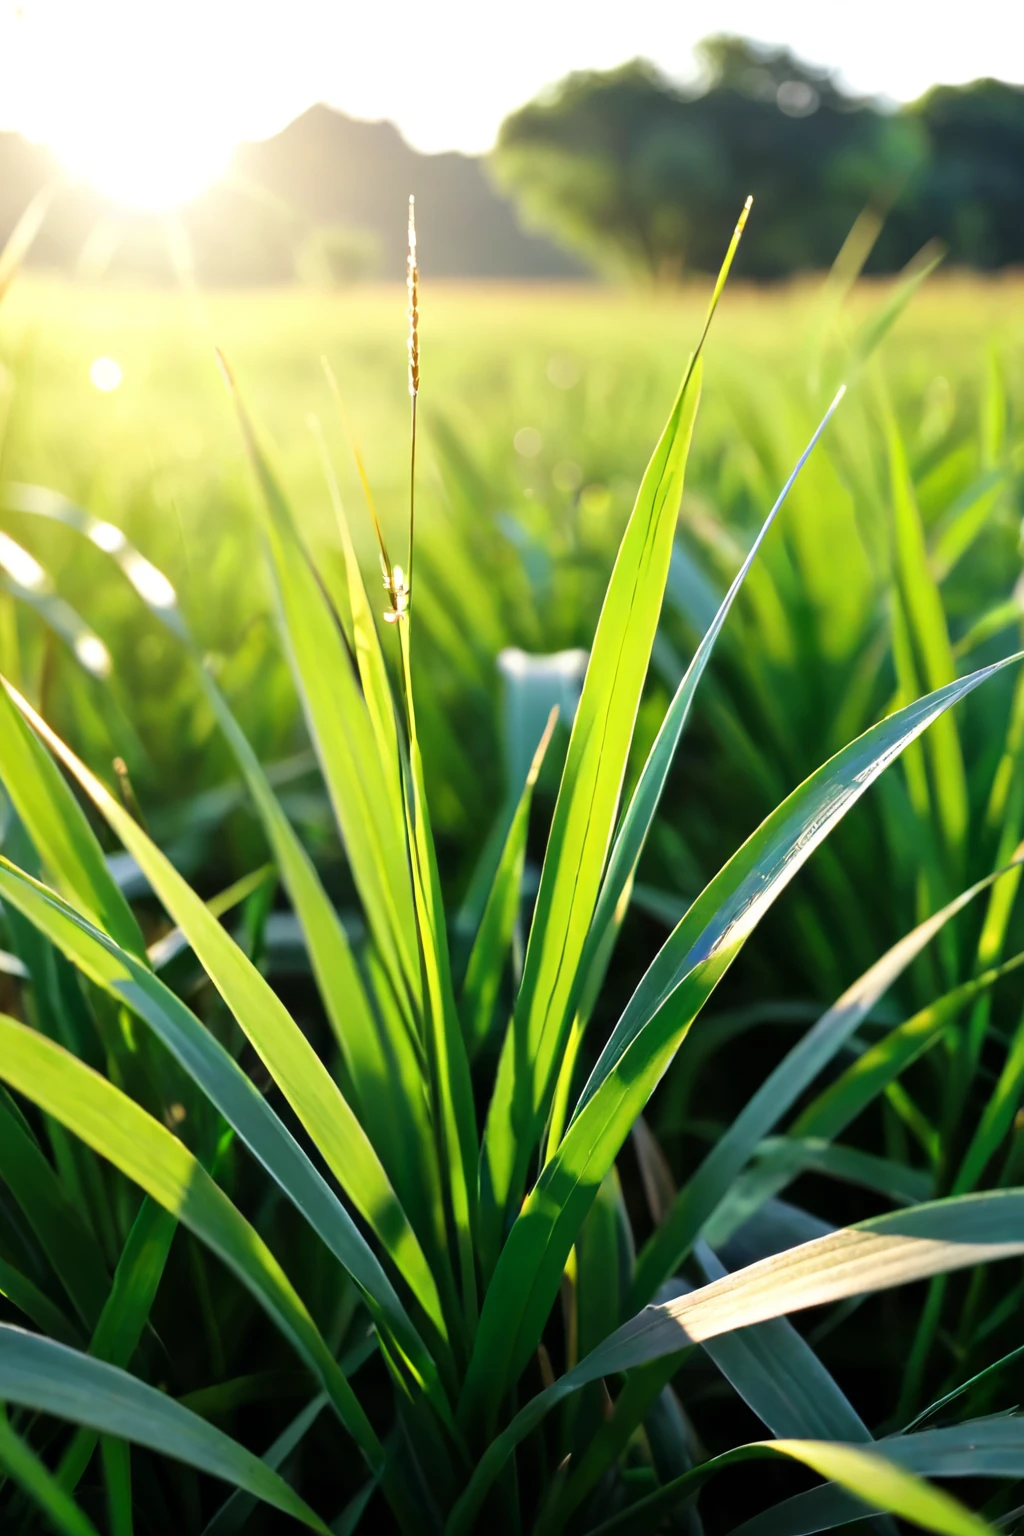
641 175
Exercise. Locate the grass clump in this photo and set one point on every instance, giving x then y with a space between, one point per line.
404 1222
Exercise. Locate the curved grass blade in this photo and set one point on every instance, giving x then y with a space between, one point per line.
497 925
341 730
871 1483
780 1378
583 822
50 1378
58 826
69 1245
677 984
288 1055
888 1250
21 1464
83 643
828 1115
230 1090
697 1200
24 1294
238 1507
979 1448
145 1152
587 804
125 1314
639 816
376 1054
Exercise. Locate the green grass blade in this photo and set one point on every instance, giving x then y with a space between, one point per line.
697 1200
872 1482
24 1294
24 1467
583 822
643 806
497 925
842 1101
125 1313
63 1236
933 663
376 1055
119 1130
117 1474
780 1378
373 1064
875 1072
290 1059
57 825
238 1507
227 1087
450 1083
50 1378
678 983
980 1448
342 733
889 1250
373 672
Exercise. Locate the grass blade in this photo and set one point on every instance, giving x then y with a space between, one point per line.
583 821
57 825
872 1482
639 816
888 1250
50 1378
497 925
678 983
226 1085
697 1200
119 1130
24 1467
980 1448
342 733
291 1060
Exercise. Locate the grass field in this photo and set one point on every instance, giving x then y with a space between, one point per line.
892 571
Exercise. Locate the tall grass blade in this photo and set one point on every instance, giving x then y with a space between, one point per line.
888 1250
583 822
342 733
378 1053
656 1020
50 1378
20 1463
501 911
697 1200
980 1448
291 1060
57 825
227 1087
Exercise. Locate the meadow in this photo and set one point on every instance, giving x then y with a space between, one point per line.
843 1085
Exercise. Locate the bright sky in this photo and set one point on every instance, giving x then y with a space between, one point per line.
148 97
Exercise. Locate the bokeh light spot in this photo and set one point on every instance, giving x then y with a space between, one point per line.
105 374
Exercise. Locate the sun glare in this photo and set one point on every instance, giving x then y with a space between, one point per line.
152 166
129 95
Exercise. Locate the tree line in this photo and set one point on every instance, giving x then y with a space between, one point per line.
641 176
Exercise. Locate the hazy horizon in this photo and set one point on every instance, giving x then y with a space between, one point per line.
193 79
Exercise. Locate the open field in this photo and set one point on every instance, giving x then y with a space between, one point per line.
893 570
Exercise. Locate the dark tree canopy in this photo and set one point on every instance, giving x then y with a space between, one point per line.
639 174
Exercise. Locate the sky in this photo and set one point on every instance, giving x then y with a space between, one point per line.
147 98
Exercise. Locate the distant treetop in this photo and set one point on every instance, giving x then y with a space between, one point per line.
644 176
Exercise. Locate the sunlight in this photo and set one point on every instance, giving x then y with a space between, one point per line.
146 170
